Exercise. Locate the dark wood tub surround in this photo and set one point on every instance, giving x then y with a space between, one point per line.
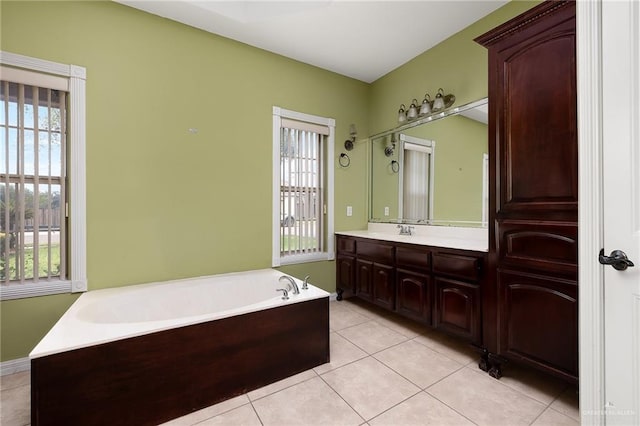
438 287
154 378
530 306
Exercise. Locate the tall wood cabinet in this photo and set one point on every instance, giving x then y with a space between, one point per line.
530 307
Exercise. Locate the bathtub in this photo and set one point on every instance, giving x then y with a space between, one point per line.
148 353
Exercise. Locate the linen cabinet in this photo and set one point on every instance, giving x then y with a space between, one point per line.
530 305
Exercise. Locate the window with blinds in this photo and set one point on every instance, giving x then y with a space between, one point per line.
416 185
303 180
301 192
32 183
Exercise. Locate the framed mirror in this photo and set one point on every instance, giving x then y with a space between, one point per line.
432 171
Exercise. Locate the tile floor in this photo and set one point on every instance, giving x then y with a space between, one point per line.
383 371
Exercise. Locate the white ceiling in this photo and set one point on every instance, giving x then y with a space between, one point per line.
360 39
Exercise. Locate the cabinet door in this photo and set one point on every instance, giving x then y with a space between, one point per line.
384 288
364 276
457 308
413 298
346 273
539 321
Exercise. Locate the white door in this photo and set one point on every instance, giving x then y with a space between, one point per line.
621 208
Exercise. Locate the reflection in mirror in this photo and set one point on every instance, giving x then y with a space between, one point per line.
411 184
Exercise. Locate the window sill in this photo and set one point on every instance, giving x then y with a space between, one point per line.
304 258
42 288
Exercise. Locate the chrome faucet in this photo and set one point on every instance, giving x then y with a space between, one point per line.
405 229
285 293
294 286
305 284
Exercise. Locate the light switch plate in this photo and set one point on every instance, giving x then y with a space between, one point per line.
349 211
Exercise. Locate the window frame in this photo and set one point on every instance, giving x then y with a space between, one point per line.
31 69
327 210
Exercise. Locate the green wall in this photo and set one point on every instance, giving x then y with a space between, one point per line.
165 204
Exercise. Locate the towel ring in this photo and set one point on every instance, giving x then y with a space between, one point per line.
344 160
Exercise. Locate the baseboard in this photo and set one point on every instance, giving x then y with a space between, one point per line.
15 366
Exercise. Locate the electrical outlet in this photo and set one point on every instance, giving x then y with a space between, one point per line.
349 211
386 211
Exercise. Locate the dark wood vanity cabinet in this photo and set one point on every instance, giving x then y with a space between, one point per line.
457 293
530 306
375 279
434 286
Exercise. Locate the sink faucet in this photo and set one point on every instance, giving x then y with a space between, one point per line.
405 229
294 286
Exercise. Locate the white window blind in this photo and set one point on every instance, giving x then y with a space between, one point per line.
32 184
301 196
303 222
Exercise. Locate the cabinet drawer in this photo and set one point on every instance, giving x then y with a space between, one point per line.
413 257
457 265
346 245
547 246
379 252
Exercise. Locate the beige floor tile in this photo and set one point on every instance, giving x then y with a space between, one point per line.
567 403
421 409
244 415
372 337
363 308
342 352
530 382
484 400
207 413
282 384
343 317
15 380
369 386
15 406
448 346
309 403
403 326
553 418
418 363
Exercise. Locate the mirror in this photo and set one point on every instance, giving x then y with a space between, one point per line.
433 171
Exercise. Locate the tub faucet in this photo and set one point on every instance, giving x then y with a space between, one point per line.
305 284
285 293
294 286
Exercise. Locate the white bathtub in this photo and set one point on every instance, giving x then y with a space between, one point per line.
146 354
107 315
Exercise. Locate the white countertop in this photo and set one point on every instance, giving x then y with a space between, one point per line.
476 239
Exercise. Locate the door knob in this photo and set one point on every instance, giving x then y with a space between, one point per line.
618 259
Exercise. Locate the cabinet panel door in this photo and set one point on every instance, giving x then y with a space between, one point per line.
384 286
413 298
346 273
538 133
539 320
457 308
364 277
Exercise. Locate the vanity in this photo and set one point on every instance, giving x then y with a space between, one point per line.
434 276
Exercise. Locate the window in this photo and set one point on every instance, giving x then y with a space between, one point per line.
302 187
416 184
42 183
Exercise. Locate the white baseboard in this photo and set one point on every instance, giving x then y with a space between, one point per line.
15 366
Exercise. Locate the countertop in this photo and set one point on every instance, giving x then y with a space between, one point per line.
475 239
